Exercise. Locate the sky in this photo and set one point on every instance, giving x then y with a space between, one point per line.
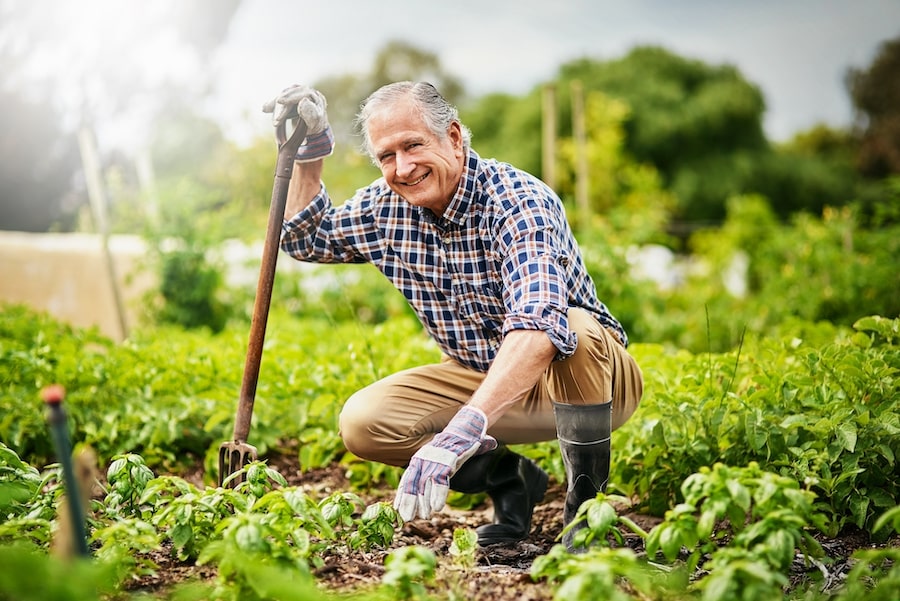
796 51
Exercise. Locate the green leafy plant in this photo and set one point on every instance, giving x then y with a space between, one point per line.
187 516
597 573
376 527
601 522
760 512
824 414
407 572
19 483
256 478
340 507
127 479
875 575
740 574
890 517
294 510
126 544
29 574
464 546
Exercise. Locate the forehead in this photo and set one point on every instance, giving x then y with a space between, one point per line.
395 122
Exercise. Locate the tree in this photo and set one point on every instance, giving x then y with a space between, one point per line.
875 93
682 109
698 125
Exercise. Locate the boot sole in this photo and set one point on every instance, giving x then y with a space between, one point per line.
492 534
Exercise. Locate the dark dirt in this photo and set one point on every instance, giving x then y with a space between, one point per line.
502 572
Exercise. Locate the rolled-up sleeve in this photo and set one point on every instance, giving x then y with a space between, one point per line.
536 291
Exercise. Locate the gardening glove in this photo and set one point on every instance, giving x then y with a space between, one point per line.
308 104
426 482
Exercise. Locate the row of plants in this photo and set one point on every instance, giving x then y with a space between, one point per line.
738 534
812 268
815 410
170 394
250 532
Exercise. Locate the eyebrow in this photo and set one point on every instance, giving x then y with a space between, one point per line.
416 139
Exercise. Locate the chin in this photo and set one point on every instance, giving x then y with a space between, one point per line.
417 200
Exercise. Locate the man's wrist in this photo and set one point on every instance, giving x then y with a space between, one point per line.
316 146
469 423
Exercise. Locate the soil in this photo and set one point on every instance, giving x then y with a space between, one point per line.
502 572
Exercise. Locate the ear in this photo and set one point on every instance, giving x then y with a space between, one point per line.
454 134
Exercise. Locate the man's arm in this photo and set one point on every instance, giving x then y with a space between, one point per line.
522 359
306 181
307 104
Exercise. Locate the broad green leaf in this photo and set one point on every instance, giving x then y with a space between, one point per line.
793 420
600 516
859 507
181 535
847 435
740 495
705 524
670 542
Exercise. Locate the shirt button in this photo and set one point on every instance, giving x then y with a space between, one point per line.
446 239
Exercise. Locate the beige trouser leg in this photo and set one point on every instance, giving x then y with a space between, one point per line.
390 419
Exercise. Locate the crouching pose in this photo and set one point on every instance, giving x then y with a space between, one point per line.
485 257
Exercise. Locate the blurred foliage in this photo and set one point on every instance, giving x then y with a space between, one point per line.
699 125
668 139
182 239
169 394
622 191
814 268
846 251
683 110
875 93
188 290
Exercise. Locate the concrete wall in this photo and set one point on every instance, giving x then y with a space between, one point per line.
67 276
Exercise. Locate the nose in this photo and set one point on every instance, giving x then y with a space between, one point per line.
405 164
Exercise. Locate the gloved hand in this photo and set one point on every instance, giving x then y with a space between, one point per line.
426 482
309 105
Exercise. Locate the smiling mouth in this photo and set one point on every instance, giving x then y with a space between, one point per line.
418 181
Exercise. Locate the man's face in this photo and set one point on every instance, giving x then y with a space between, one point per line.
422 168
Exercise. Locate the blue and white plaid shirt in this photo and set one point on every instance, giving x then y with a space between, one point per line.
501 258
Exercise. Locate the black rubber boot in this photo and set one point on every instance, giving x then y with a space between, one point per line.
514 483
584 440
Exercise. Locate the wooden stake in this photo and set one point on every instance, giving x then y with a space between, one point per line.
548 168
582 181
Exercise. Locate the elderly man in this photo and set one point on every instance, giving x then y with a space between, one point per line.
484 255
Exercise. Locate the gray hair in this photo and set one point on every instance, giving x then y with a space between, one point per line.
437 113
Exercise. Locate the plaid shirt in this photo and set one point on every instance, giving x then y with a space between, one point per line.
502 257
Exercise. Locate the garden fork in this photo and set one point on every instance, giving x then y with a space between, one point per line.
236 453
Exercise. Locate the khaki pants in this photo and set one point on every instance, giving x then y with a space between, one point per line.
390 419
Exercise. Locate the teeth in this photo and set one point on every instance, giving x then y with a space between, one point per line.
417 181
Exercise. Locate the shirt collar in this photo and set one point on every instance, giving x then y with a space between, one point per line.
457 211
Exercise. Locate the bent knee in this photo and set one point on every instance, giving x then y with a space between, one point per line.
354 427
